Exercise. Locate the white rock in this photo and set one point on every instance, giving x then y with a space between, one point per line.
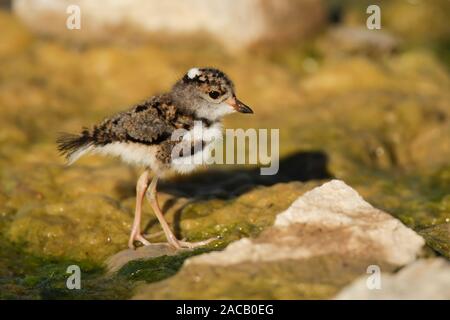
330 219
423 279
332 204
235 23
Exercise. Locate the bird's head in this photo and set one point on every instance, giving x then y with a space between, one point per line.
208 93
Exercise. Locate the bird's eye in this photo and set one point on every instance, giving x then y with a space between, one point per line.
214 94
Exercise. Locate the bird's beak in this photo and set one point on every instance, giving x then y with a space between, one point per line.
238 105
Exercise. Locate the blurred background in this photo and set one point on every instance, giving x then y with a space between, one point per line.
370 107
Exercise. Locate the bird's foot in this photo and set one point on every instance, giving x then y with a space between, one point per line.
179 244
137 237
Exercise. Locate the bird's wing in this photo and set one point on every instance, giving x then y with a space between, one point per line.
149 122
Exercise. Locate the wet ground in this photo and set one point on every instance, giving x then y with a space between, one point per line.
381 124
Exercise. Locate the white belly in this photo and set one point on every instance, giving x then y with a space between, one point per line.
132 153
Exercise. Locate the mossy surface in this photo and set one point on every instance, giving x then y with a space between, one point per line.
156 269
380 124
316 278
27 276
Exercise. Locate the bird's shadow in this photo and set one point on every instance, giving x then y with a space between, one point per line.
230 183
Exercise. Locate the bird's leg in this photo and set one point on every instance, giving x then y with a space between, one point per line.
171 239
141 188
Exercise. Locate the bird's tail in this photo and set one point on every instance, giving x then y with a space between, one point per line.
73 146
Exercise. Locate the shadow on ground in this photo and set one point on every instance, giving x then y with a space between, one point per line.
230 183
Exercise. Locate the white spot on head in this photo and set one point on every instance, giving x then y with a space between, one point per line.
194 72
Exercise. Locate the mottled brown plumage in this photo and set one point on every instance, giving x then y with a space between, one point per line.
149 122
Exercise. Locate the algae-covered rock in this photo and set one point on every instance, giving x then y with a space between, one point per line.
410 107
117 261
326 238
91 228
97 226
438 237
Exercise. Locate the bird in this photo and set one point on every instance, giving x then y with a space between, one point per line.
157 134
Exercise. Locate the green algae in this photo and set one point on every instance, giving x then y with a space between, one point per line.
27 276
381 125
415 200
438 238
157 269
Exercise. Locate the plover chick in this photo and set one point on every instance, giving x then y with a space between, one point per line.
145 136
